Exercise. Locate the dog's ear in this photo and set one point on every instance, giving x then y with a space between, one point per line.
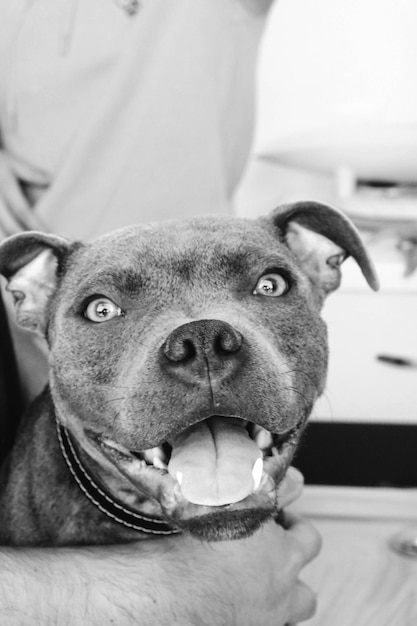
30 262
321 238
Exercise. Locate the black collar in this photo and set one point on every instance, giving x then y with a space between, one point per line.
114 509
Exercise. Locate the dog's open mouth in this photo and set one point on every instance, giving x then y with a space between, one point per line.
218 464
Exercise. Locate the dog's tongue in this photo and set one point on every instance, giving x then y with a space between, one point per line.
213 461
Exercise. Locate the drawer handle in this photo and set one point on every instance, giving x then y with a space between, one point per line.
397 360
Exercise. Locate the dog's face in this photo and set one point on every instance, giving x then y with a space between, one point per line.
187 356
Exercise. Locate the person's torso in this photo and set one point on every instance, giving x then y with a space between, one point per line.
118 111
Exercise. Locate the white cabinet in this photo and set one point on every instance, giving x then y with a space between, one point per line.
361 326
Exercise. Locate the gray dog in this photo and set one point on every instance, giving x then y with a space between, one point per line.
185 359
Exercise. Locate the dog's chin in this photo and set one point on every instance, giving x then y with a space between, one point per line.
208 520
225 525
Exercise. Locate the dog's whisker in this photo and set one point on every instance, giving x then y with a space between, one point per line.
299 371
327 398
136 341
110 400
300 393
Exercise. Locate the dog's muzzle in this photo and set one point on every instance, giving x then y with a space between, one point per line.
231 483
216 471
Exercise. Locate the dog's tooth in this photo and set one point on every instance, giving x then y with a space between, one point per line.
263 438
257 471
179 477
150 454
160 454
158 463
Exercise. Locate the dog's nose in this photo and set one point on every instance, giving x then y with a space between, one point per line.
203 342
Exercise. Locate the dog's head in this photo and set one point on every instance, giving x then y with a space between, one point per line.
187 356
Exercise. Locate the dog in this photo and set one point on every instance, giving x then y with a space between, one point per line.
185 358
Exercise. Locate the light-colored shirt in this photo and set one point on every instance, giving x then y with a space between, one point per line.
117 119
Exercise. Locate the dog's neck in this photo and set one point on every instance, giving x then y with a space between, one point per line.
101 497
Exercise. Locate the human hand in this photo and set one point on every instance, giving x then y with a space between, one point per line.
262 582
247 582
16 213
250 581
267 588
176 580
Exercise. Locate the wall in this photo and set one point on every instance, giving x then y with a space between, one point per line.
337 64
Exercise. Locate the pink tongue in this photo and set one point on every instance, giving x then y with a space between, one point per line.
213 461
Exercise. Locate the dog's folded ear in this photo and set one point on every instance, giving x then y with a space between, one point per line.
30 262
321 238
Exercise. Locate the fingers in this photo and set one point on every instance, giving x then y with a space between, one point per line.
305 535
302 531
308 540
15 211
303 603
297 545
8 223
291 487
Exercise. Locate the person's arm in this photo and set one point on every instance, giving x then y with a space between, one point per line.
171 581
176 580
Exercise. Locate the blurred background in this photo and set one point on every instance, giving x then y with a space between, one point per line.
337 122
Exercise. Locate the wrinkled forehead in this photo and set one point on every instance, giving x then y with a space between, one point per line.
184 248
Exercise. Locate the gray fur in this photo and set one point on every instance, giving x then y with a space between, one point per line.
113 379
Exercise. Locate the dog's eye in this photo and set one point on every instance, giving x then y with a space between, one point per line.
271 285
102 310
